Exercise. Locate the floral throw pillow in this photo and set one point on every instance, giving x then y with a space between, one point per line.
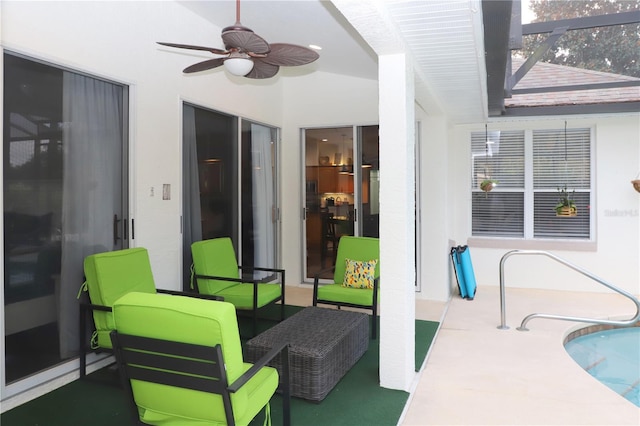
359 274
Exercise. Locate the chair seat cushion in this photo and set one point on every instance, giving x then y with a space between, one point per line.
259 390
338 293
241 295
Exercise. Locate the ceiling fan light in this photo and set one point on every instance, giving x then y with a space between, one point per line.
238 66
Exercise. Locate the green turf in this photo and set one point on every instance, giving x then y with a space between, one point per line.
357 399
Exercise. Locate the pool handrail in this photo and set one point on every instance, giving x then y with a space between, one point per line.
620 323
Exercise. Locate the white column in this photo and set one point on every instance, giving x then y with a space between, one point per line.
397 222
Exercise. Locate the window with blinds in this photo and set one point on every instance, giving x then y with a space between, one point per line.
522 204
499 156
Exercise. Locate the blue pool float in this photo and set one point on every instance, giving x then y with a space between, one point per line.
464 271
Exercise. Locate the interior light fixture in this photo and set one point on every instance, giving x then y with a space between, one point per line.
238 66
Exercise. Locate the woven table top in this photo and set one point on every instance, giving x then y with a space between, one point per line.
313 330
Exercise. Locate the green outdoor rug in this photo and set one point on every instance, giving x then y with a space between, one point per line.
356 400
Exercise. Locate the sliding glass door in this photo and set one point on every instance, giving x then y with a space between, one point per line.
65 197
229 186
341 191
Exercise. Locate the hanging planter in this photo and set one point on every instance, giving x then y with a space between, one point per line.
488 184
566 207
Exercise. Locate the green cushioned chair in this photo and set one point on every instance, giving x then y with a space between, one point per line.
108 276
361 249
216 272
181 363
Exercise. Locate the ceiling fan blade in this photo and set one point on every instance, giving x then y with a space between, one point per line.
204 65
290 55
245 40
261 69
189 46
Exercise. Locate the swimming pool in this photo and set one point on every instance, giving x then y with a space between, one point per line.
611 355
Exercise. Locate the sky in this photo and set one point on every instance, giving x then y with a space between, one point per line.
527 15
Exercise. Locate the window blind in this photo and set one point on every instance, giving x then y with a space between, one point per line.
498 214
561 159
498 155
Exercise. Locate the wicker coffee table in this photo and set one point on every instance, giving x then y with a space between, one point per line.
324 345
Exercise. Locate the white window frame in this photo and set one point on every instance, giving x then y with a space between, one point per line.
528 241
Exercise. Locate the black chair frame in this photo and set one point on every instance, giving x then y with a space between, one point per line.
246 281
189 366
373 308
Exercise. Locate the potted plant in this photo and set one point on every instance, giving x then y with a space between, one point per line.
566 207
488 184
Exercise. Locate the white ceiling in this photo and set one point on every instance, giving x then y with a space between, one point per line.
444 39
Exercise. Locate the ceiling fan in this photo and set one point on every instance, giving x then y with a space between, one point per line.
249 55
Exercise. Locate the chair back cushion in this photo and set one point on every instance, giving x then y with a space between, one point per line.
111 275
356 248
187 320
215 257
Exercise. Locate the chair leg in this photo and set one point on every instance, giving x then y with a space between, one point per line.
374 323
282 310
255 322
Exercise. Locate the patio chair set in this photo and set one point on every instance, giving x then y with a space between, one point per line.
179 354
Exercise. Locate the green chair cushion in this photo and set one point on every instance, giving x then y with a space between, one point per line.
196 321
109 276
241 295
339 293
215 257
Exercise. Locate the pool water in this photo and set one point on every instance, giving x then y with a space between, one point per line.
612 357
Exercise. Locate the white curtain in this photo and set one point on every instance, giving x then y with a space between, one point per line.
261 161
191 215
92 186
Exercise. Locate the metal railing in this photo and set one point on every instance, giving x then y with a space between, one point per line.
621 323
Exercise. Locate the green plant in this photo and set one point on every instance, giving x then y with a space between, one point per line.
488 184
565 200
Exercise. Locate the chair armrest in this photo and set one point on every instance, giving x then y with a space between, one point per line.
189 294
213 277
316 279
92 307
262 362
260 268
257 268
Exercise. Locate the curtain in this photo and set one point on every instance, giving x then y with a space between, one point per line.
92 187
262 178
191 217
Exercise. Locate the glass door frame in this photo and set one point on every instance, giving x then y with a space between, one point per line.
37 383
242 149
310 189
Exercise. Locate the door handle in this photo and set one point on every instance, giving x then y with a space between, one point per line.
115 229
